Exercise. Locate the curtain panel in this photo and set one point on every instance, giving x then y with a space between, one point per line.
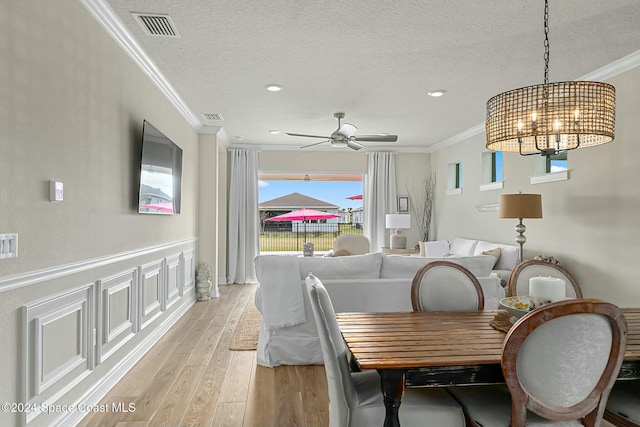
380 196
243 216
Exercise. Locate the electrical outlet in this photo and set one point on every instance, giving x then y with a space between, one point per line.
8 245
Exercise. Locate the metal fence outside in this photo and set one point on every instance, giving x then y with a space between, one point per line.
289 237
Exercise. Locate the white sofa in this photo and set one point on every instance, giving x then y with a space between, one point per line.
367 283
507 261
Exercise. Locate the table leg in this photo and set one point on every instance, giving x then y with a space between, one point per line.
392 384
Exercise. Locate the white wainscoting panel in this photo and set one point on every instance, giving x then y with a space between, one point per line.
173 279
58 345
65 335
151 292
117 312
189 271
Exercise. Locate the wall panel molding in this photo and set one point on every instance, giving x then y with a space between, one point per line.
35 277
189 271
40 382
173 277
96 324
151 294
113 336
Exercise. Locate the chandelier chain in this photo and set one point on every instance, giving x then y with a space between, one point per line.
546 42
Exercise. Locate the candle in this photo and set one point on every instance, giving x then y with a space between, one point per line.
547 288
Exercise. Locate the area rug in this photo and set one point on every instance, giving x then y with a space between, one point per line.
245 336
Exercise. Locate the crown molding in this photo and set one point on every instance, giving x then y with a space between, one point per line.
103 13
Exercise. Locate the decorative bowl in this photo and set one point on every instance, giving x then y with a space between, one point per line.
518 306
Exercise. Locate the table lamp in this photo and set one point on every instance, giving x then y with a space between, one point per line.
398 221
520 206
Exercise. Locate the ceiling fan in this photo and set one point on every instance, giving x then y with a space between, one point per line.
344 136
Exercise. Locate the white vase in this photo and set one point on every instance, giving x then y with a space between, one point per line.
203 287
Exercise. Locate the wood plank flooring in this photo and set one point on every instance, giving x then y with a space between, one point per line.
191 378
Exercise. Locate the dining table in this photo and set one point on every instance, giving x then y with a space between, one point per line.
442 348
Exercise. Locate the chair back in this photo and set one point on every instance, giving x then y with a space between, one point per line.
561 360
342 393
355 244
519 280
444 285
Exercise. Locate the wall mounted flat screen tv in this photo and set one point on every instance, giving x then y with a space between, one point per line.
160 173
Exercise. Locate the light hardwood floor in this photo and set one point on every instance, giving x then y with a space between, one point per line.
191 378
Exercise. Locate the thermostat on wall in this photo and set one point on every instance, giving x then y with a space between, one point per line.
56 191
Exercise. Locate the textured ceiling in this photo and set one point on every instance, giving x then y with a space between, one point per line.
375 61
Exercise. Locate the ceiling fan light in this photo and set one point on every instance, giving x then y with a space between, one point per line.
354 145
347 129
339 143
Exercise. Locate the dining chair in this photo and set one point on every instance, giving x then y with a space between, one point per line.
445 285
354 244
559 363
623 405
519 279
355 398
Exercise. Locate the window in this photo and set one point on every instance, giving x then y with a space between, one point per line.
454 178
492 170
551 168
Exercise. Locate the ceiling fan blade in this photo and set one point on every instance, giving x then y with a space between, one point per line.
375 138
307 136
354 145
346 130
317 143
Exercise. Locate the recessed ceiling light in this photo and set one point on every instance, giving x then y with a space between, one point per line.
272 87
274 132
437 93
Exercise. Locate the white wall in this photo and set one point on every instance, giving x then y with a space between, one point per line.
72 109
590 221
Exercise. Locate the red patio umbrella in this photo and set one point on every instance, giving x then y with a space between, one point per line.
303 215
160 207
358 197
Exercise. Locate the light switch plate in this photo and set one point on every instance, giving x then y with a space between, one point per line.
56 191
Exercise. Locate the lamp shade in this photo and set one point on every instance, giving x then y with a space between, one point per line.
398 220
520 206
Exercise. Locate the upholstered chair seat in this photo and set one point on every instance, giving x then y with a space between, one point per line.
355 398
559 363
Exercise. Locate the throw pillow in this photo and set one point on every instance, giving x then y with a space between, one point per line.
341 252
495 252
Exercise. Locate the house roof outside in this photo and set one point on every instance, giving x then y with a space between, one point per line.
295 201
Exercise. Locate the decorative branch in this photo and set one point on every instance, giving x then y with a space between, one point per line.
422 207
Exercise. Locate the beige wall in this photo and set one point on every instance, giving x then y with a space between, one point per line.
72 109
590 221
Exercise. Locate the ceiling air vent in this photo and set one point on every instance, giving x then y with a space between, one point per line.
213 116
156 25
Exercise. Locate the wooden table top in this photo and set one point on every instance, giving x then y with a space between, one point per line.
437 339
